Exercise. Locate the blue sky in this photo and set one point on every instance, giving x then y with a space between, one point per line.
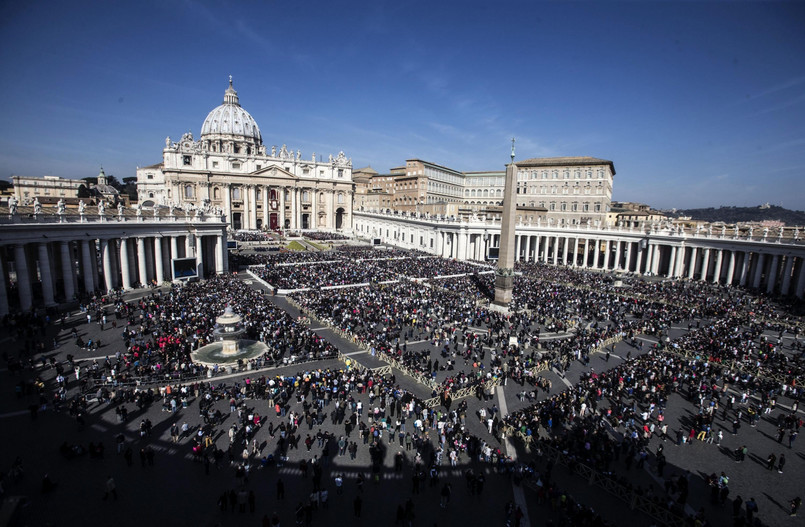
697 104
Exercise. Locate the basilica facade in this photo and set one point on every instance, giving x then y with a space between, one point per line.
228 168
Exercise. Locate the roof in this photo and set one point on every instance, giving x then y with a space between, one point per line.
564 161
366 170
155 166
448 169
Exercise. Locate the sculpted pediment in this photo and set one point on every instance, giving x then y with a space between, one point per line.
274 172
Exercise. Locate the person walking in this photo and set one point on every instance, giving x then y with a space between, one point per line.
772 459
111 489
781 463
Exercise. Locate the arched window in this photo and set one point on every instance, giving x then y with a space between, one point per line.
273 194
216 193
340 198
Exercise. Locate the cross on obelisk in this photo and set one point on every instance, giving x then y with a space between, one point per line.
504 274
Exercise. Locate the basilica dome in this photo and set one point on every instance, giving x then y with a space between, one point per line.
230 119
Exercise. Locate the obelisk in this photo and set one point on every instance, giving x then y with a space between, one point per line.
504 274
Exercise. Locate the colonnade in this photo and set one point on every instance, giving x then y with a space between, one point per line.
43 265
770 265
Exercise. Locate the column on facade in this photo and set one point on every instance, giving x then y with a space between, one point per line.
517 247
786 283
565 251
125 269
294 208
705 265
576 252
266 210
200 255
617 264
772 281
596 252
227 206
759 270
730 268
68 272
281 219
692 262
331 210
159 260
252 206
141 264
96 284
86 266
744 268
23 277
672 262
461 246
649 257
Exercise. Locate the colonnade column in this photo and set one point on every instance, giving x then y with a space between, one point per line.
717 269
639 260
744 268
227 205
597 252
219 254
294 213
68 272
107 265
705 265
576 252
692 264
784 286
517 248
759 270
159 262
45 275
731 268
680 261
801 282
141 262
565 250
773 273
23 278
672 262
527 248
555 249
655 260
617 264
628 266
86 269
3 291
125 270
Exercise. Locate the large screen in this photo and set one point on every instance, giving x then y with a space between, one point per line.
184 268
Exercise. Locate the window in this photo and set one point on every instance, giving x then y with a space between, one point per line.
597 207
236 193
188 191
273 194
216 193
340 199
186 160
258 167
340 172
259 194
586 207
575 207
149 176
215 164
563 207
235 166
306 196
553 206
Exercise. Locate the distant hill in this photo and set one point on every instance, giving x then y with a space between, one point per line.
742 214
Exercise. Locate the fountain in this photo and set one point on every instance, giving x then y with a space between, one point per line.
229 348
